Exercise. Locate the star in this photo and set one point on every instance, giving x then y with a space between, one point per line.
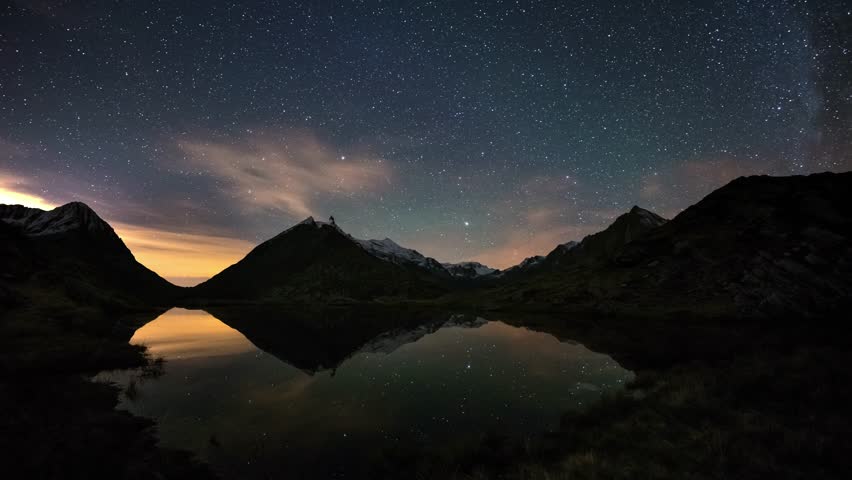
409 129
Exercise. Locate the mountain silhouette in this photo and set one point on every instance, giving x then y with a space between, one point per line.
70 252
758 246
316 260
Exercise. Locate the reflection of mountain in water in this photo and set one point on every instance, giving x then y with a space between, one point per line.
315 340
128 324
390 341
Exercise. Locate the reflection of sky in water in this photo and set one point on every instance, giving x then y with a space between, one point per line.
248 413
181 334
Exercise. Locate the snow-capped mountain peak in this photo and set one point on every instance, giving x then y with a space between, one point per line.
69 217
390 251
468 269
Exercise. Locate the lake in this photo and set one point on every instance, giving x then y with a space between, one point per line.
261 394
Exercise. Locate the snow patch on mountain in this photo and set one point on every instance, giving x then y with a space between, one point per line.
35 222
468 269
390 251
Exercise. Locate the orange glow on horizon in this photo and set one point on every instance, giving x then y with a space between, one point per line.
187 259
183 258
10 196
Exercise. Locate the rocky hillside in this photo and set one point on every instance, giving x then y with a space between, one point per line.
316 261
604 245
759 246
71 254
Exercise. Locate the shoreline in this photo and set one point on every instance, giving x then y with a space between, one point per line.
698 382
51 405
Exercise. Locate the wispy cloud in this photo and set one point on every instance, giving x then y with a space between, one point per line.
288 174
20 191
17 189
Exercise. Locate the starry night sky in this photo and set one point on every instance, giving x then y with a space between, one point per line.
468 130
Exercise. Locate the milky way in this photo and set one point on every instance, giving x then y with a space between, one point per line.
468 130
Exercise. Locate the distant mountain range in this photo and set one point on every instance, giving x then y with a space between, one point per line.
591 250
318 260
757 246
469 270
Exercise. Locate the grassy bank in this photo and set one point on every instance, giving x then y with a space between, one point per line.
711 400
757 415
55 422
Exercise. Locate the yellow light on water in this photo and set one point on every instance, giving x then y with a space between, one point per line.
183 334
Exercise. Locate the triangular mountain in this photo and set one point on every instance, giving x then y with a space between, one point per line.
315 261
606 244
595 248
70 251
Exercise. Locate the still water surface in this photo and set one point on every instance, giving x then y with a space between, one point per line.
435 386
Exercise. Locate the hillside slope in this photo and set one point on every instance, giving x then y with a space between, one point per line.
315 261
70 252
759 246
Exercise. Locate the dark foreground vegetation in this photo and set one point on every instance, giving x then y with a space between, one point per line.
711 400
54 422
